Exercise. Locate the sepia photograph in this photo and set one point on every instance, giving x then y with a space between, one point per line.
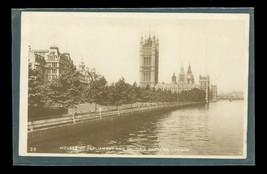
134 84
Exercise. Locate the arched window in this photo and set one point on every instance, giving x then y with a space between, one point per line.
144 76
144 61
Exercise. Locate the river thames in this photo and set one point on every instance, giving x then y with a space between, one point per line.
216 129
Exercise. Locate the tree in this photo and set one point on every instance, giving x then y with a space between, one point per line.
120 93
138 92
96 92
145 95
198 95
194 94
65 91
36 96
133 93
159 95
36 93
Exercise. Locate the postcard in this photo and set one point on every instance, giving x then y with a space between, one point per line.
134 85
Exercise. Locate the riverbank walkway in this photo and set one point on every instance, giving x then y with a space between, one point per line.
76 118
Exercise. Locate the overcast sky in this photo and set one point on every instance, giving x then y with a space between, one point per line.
216 44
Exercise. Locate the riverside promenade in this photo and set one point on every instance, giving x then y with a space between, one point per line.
41 130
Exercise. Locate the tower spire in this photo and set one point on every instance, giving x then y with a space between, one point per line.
29 51
189 69
82 65
182 67
148 62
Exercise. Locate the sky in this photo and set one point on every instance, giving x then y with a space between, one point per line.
214 44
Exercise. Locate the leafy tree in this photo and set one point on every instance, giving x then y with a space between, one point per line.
138 92
36 96
111 94
198 95
96 92
159 95
66 90
146 95
133 93
192 95
120 93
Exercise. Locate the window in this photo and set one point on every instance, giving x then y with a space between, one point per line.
144 61
147 61
146 76
54 71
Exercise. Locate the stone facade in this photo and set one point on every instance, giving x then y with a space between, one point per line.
149 61
213 93
52 64
86 75
37 62
55 64
149 71
185 82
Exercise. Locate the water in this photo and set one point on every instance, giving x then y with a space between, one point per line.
216 129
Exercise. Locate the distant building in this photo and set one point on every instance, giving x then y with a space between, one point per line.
234 95
36 61
213 93
204 84
149 61
52 64
149 72
182 75
185 82
174 79
86 75
56 63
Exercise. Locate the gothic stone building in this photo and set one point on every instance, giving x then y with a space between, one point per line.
54 63
149 70
86 75
185 82
37 62
149 61
57 63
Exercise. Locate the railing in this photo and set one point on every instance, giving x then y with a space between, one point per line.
70 119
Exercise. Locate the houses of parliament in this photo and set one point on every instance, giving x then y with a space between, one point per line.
184 81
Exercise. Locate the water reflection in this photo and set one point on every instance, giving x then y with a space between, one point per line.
186 129
213 130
